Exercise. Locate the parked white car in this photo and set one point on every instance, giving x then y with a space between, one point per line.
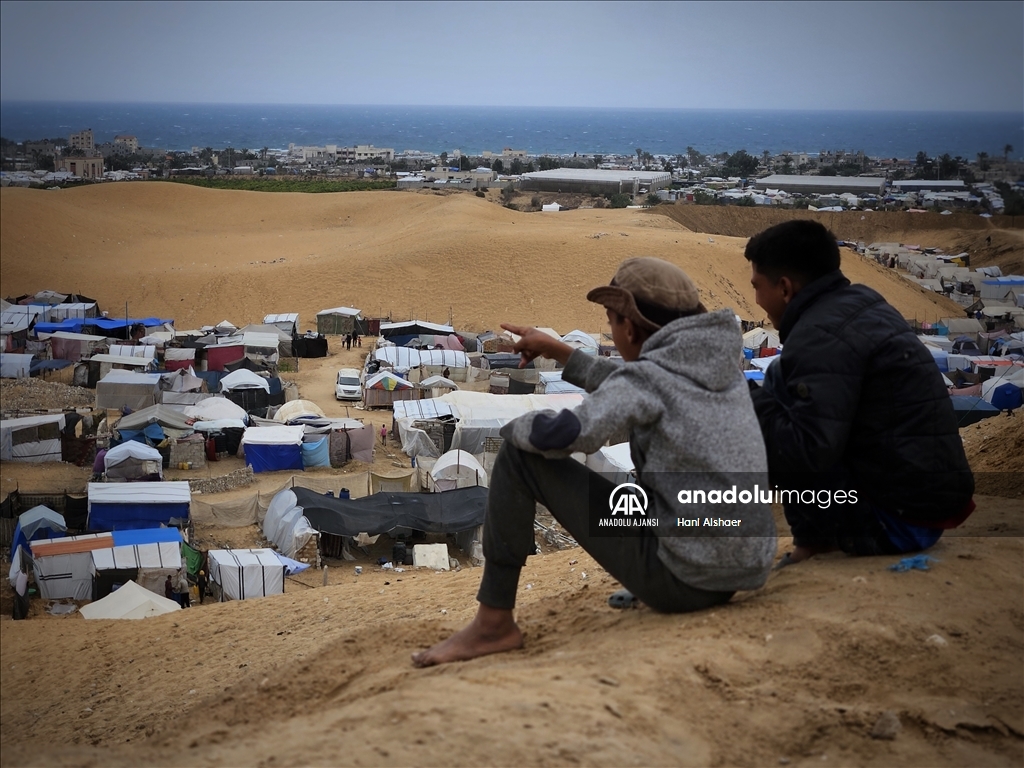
347 386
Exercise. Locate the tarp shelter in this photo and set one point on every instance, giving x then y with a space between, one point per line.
457 469
215 409
63 567
404 358
756 338
161 414
287 322
31 438
130 601
74 346
131 461
338 321
295 409
970 410
404 332
244 574
15 366
147 556
448 512
615 462
244 379
285 525
176 358
384 388
120 389
270 449
218 356
120 506
40 522
581 341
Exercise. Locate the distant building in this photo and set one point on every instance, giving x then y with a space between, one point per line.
822 185
362 153
926 185
126 145
82 140
84 166
596 181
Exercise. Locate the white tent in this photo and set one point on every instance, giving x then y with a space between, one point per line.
215 409
244 574
285 525
404 358
296 408
132 459
13 366
613 461
457 469
63 567
287 321
760 337
119 388
32 438
243 379
581 341
129 602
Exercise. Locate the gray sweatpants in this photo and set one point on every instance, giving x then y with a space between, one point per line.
570 490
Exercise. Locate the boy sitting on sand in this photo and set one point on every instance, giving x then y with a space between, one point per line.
679 394
854 410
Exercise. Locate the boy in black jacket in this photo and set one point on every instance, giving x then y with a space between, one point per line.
854 409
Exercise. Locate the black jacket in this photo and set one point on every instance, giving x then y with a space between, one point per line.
854 390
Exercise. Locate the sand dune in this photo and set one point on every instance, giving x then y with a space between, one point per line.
200 256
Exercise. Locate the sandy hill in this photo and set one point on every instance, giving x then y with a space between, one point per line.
955 233
200 256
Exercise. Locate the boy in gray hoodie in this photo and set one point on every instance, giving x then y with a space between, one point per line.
679 394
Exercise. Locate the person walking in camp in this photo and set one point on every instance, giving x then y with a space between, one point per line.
383 434
854 409
678 393
182 588
201 585
169 592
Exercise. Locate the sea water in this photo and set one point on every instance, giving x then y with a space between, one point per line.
551 130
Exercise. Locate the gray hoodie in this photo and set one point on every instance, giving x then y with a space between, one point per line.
686 408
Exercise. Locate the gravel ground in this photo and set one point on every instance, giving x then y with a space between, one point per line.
33 394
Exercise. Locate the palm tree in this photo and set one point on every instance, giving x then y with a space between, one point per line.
639 156
1006 152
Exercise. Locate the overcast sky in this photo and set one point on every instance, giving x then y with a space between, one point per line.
884 55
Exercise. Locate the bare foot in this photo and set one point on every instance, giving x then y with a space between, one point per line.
799 554
493 630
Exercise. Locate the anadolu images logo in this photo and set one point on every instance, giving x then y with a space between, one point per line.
628 498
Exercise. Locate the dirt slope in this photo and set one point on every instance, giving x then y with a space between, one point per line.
200 256
956 233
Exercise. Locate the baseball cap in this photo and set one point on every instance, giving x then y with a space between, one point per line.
649 291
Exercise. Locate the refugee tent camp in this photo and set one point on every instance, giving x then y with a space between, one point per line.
119 506
297 409
287 322
132 460
31 438
756 338
244 379
130 601
244 574
285 525
404 332
269 449
456 469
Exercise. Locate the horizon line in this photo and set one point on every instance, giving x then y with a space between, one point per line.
926 110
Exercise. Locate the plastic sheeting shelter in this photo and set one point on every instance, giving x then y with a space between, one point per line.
613 461
295 409
244 379
132 460
457 469
285 525
122 506
131 601
147 556
15 366
40 522
33 438
970 410
271 449
244 574
63 567
119 389
449 512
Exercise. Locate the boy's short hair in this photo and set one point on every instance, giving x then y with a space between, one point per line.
801 249
650 292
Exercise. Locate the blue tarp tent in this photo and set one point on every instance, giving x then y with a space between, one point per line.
126 506
316 454
970 410
271 449
37 523
1006 397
